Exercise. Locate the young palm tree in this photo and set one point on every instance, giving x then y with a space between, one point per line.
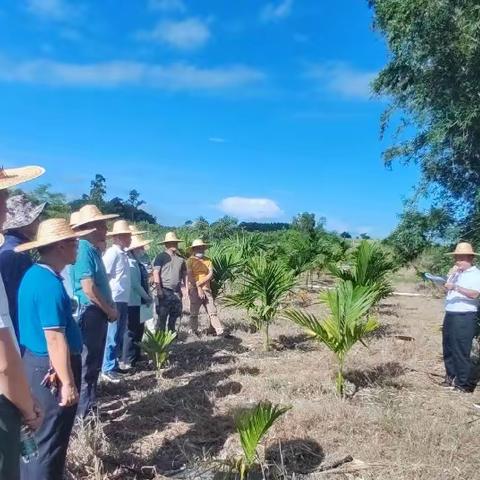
226 263
347 324
252 426
264 285
369 267
157 346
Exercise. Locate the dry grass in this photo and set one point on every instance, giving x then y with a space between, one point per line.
397 419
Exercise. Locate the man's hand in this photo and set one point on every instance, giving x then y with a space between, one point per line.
34 419
112 314
201 293
159 291
68 395
449 286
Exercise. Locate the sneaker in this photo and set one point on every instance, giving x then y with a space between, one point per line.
462 390
110 377
447 383
124 367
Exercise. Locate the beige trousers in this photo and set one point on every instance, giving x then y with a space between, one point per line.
209 304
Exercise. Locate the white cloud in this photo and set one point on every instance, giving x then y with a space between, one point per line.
174 77
187 34
342 79
51 9
250 208
216 140
167 5
273 12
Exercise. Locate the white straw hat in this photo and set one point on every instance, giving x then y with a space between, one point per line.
138 242
74 218
463 248
9 177
134 230
52 231
120 227
90 214
198 242
171 237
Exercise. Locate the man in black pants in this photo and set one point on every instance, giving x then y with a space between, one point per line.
52 344
170 277
460 325
91 287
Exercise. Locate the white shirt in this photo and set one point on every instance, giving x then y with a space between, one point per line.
5 320
457 302
118 271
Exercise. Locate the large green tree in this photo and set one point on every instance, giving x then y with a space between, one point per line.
432 84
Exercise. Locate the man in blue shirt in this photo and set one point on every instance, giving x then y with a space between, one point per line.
52 343
20 226
91 286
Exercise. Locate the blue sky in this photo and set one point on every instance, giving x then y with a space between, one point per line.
259 109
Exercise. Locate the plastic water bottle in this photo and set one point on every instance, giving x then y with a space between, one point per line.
28 445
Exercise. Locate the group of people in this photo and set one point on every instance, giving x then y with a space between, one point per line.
72 317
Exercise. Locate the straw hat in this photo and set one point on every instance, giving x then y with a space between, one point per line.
52 231
21 212
120 227
90 213
74 218
198 242
14 176
138 242
134 230
171 237
463 248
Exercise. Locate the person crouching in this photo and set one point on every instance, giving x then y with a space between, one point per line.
52 343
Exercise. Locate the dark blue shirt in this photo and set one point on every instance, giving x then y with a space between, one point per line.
12 268
43 304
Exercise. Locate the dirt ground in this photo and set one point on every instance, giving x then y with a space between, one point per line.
398 423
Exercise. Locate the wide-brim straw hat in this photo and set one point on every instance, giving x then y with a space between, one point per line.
21 212
9 177
74 218
134 230
463 248
120 227
52 231
198 242
91 214
138 242
171 237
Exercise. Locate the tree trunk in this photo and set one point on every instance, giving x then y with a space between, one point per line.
267 338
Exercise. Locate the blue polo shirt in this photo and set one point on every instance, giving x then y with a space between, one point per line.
43 303
89 264
13 266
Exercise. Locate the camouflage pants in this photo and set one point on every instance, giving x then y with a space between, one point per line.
169 309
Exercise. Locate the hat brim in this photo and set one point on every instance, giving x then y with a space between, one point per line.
138 232
172 241
124 232
10 177
101 218
144 243
472 254
36 212
38 244
201 245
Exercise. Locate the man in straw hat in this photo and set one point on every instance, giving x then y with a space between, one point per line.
20 226
91 286
200 274
52 343
116 264
139 294
169 275
461 314
17 405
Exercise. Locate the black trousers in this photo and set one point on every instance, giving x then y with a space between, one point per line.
54 434
169 309
459 329
93 324
133 336
10 420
